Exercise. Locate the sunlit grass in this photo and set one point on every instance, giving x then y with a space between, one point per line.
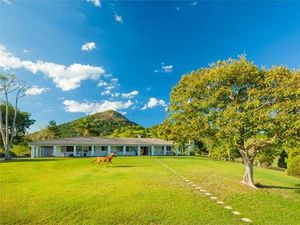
139 190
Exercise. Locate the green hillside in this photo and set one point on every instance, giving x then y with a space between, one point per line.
102 124
98 124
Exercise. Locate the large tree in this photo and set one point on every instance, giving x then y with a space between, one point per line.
236 102
23 122
10 88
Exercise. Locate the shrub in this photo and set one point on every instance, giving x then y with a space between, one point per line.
282 160
294 166
2 152
20 150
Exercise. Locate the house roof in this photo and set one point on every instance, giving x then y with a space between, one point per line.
70 141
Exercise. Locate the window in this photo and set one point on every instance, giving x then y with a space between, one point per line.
69 148
104 148
131 148
119 148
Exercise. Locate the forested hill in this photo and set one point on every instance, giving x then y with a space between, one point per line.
98 124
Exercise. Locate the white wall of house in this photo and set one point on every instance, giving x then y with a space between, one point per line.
82 150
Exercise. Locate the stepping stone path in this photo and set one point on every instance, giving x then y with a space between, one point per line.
247 220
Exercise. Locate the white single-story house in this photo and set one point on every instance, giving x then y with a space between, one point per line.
96 146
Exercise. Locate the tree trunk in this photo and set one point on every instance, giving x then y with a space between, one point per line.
7 149
248 176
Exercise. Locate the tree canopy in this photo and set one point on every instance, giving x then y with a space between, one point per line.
23 122
237 103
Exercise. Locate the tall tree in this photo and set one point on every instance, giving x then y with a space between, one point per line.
23 122
9 87
53 128
234 101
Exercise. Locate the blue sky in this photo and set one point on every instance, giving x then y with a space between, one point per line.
81 57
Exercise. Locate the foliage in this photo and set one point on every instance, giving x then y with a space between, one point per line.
1 152
236 102
42 135
223 150
23 122
86 127
21 150
99 124
282 159
130 131
293 166
267 157
293 162
53 128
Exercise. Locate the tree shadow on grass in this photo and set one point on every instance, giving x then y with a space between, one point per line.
262 186
29 160
128 166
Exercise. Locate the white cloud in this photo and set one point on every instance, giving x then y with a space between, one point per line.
118 18
107 75
35 90
109 86
94 107
102 83
167 69
153 102
65 77
130 94
97 3
26 50
164 69
88 46
8 2
194 3
106 92
116 94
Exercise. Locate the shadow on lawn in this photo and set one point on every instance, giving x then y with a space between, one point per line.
125 166
29 160
279 187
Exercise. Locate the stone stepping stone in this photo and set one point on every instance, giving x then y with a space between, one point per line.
202 190
195 185
228 207
207 194
246 220
198 188
236 212
213 198
220 202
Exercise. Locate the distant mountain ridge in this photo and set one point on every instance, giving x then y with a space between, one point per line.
99 124
104 123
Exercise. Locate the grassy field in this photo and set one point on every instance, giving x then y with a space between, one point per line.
142 191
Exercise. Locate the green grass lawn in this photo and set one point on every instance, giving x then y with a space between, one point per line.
139 190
